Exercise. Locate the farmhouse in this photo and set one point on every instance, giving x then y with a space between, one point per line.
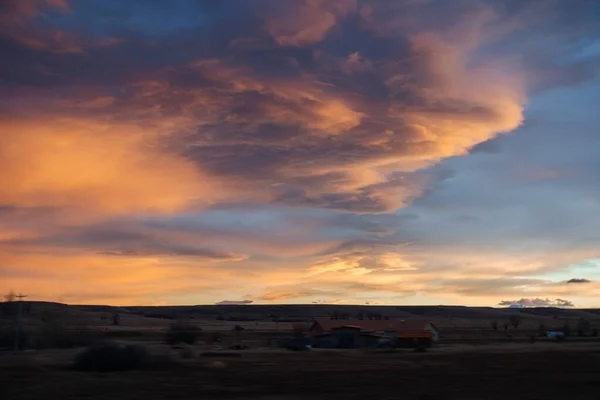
346 333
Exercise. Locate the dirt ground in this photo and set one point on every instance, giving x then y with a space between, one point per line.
508 371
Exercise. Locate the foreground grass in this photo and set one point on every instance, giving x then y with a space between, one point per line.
546 372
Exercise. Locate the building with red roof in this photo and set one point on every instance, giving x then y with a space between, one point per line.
404 333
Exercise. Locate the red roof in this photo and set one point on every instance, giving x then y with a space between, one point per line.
347 326
373 325
415 334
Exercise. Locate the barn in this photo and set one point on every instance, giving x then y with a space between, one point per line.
369 333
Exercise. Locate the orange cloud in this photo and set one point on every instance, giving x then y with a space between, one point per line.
310 105
307 21
479 103
114 167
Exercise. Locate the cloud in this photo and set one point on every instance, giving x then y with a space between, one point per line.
537 302
292 149
309 135
306 21
233 302
94 165
578 280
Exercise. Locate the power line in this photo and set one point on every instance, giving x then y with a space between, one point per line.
19 299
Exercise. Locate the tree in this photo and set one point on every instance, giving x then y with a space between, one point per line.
566 329
515 320
10 305
541 330
10 297
494 325
583 327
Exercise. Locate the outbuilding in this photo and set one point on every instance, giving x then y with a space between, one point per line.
362 333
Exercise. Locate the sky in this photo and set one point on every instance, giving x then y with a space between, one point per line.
312 151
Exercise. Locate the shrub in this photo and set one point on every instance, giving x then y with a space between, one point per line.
7 337
541 330
583 327
515 320
108 357
58 332
300 329
182 332
186 354
566 329
211 338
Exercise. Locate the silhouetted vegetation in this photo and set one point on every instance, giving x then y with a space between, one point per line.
107 357
583 327
182 332
515 320
7 337
541 330
566 329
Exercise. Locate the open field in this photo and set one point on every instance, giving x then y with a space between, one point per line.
547 371
472 361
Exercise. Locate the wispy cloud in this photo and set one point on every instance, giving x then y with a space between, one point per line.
578 280
537 302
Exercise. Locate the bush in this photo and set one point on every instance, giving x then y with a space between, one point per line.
108 357
7 337
182 332
300 329
186 354
515 320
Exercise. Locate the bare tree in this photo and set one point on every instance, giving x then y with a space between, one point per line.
566 329
10 297
583 327
541 330
515 320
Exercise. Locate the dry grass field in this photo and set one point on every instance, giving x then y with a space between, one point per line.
472 361
507 371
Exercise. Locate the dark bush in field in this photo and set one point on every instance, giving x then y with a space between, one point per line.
182 332
7 337
107 357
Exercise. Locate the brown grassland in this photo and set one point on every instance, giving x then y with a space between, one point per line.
472 360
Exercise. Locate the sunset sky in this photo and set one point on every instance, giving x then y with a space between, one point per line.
277 151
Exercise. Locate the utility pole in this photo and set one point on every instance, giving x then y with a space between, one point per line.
19 298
